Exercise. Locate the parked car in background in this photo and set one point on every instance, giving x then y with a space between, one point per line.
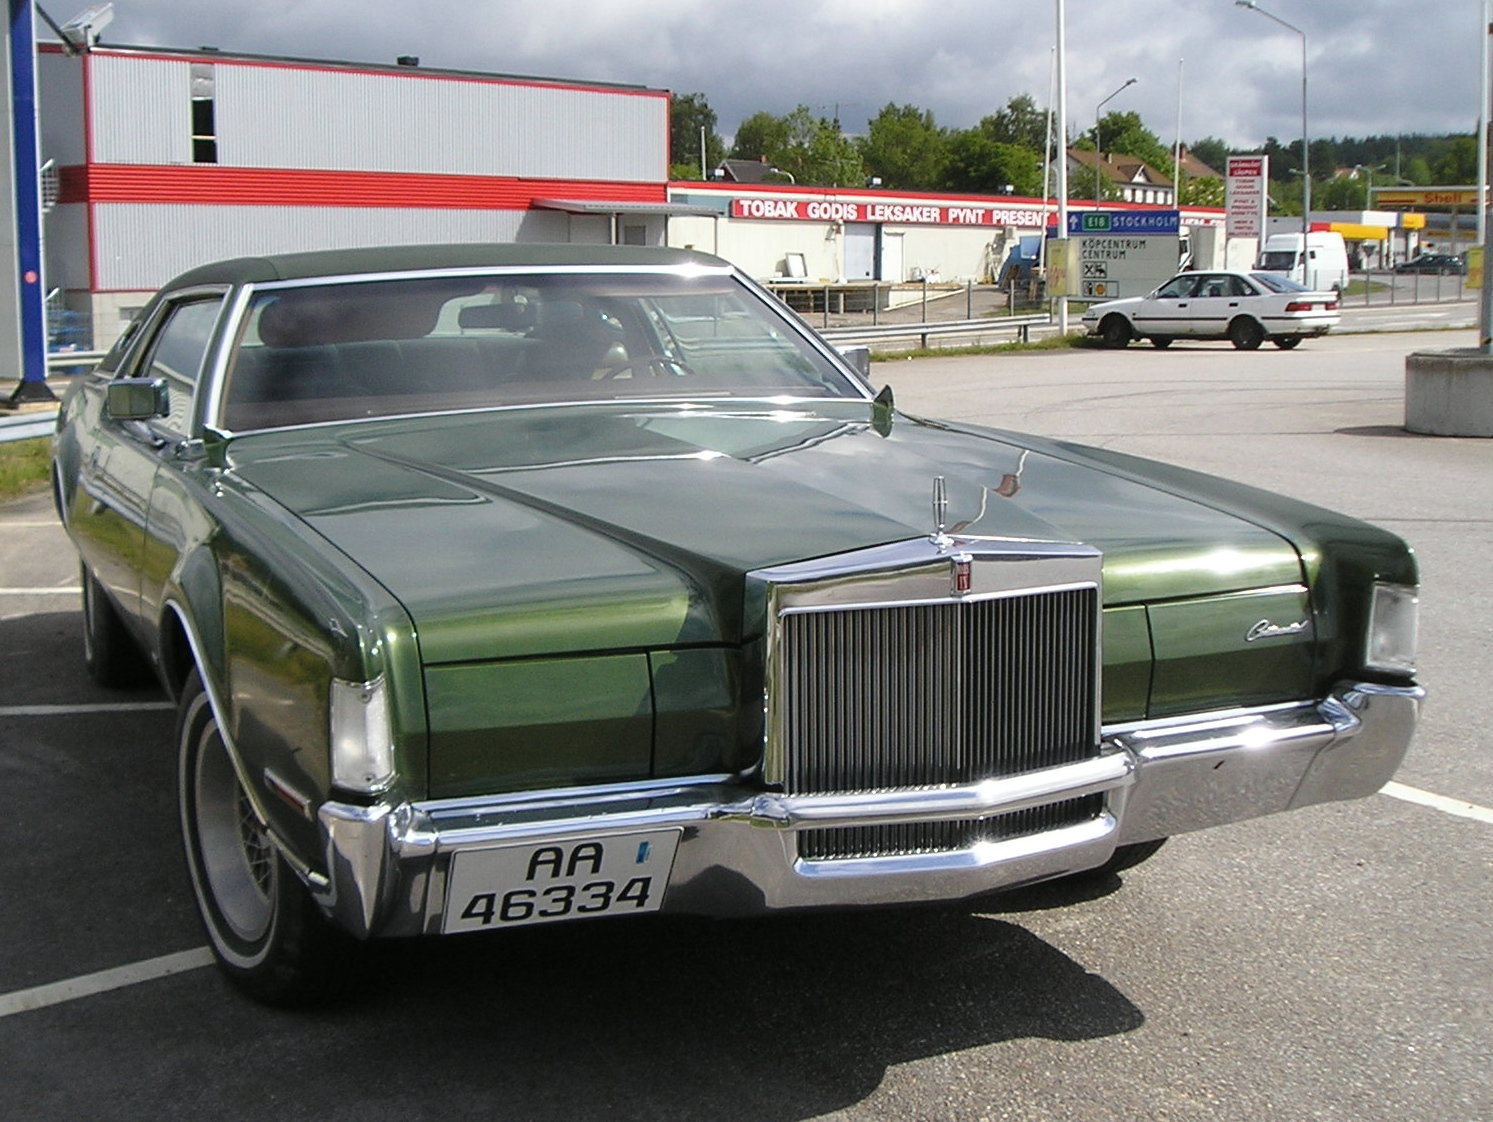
1244 308
1441 264
506 585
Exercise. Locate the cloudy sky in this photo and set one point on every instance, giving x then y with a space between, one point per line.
1375 67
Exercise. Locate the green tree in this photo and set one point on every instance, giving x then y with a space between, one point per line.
1457 164
1213 152
1282 159
979 165
1342 192
808 148
905 148
818 152
761 137
1326 159
688 115
1125 133
1204 191
1021 123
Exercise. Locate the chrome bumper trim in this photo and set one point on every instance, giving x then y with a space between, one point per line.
978 800
386 867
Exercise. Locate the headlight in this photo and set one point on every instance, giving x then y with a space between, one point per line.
1392 629
362 743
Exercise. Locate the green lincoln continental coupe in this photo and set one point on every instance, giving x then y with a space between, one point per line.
503 585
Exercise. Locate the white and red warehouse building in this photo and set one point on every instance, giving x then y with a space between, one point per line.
165 159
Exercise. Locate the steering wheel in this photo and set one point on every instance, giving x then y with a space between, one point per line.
655 365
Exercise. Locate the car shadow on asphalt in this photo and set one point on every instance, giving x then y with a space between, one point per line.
784 1017
649 1017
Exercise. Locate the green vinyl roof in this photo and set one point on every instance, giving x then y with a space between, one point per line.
418 258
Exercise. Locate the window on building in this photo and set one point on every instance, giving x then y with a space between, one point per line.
204 128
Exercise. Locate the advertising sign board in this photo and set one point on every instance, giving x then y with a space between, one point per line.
1244 196
1426 196
1062 267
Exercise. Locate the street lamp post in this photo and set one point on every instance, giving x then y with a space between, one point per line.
1099 147
1060 85
1368 181
1485 295
1306 168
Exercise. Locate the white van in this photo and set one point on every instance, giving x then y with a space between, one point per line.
1325 268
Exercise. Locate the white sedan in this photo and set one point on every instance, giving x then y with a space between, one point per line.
1244 308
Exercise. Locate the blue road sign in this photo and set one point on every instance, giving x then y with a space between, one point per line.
1089 223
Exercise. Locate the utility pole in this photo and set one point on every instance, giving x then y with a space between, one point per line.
1062 84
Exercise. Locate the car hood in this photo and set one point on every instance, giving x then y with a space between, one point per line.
1128 303
605 527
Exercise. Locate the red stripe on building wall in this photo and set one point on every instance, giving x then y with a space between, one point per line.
227 186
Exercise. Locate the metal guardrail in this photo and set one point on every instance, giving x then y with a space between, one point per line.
922 332
66 360
42 420
27 426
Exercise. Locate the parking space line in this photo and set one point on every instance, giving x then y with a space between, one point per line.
75 710
1460 807
57 590
70 989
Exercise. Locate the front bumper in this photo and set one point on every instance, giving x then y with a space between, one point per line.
386 867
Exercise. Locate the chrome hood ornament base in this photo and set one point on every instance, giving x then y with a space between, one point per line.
940 514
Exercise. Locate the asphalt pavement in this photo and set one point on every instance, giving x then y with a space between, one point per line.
1331 964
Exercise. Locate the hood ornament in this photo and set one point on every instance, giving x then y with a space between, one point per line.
940 513
961 564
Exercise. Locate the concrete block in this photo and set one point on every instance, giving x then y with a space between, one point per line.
1449 393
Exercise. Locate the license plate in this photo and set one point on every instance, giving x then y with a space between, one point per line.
579 878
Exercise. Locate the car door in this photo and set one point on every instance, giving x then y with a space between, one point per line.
1164 312
110 512
177 356
1214 304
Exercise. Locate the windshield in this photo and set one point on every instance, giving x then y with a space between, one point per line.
326 352
1277 283
1279 260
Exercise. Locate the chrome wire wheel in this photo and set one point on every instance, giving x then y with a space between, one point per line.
235 859
268 935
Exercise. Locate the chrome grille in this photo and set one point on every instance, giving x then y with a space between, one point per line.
842 843
893 696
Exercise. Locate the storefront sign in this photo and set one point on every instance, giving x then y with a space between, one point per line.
901 213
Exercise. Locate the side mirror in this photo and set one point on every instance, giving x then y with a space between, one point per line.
138 399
